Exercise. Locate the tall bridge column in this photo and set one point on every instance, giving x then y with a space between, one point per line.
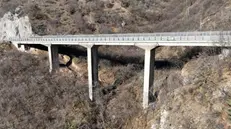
53 57
92 61
149 62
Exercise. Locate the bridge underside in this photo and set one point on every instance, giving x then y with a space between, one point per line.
146 41
93 60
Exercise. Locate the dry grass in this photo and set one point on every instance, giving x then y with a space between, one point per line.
31 97
72 17
229 110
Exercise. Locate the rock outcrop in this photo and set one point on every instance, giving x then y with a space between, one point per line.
14 26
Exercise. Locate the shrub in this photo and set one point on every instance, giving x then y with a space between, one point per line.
229 110
31 97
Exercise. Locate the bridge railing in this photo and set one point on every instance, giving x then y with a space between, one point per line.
165 38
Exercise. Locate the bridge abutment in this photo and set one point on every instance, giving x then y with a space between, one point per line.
53 57
21 48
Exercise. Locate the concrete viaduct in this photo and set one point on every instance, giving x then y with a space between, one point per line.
146 41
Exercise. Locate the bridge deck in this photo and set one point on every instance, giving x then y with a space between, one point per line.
147 41
212 38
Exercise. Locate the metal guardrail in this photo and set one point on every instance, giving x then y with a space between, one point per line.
209 38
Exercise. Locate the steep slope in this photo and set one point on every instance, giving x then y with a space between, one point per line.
120 16
123 16
200 103
31 97
190 98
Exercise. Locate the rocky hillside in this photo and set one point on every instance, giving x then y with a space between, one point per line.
13 26
195 97
122 16
31 97
199 103
189 96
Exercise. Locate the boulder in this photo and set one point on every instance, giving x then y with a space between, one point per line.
13 26
225 53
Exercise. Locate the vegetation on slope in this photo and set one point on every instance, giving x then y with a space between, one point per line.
31 97
121 16
198 102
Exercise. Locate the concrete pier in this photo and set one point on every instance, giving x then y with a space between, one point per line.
148 75
95 62
92 61
149 62
146 41
53 57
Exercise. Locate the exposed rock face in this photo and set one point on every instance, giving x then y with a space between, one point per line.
225 53
199 104
13 26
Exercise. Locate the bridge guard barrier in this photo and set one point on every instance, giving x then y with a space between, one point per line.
146 41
